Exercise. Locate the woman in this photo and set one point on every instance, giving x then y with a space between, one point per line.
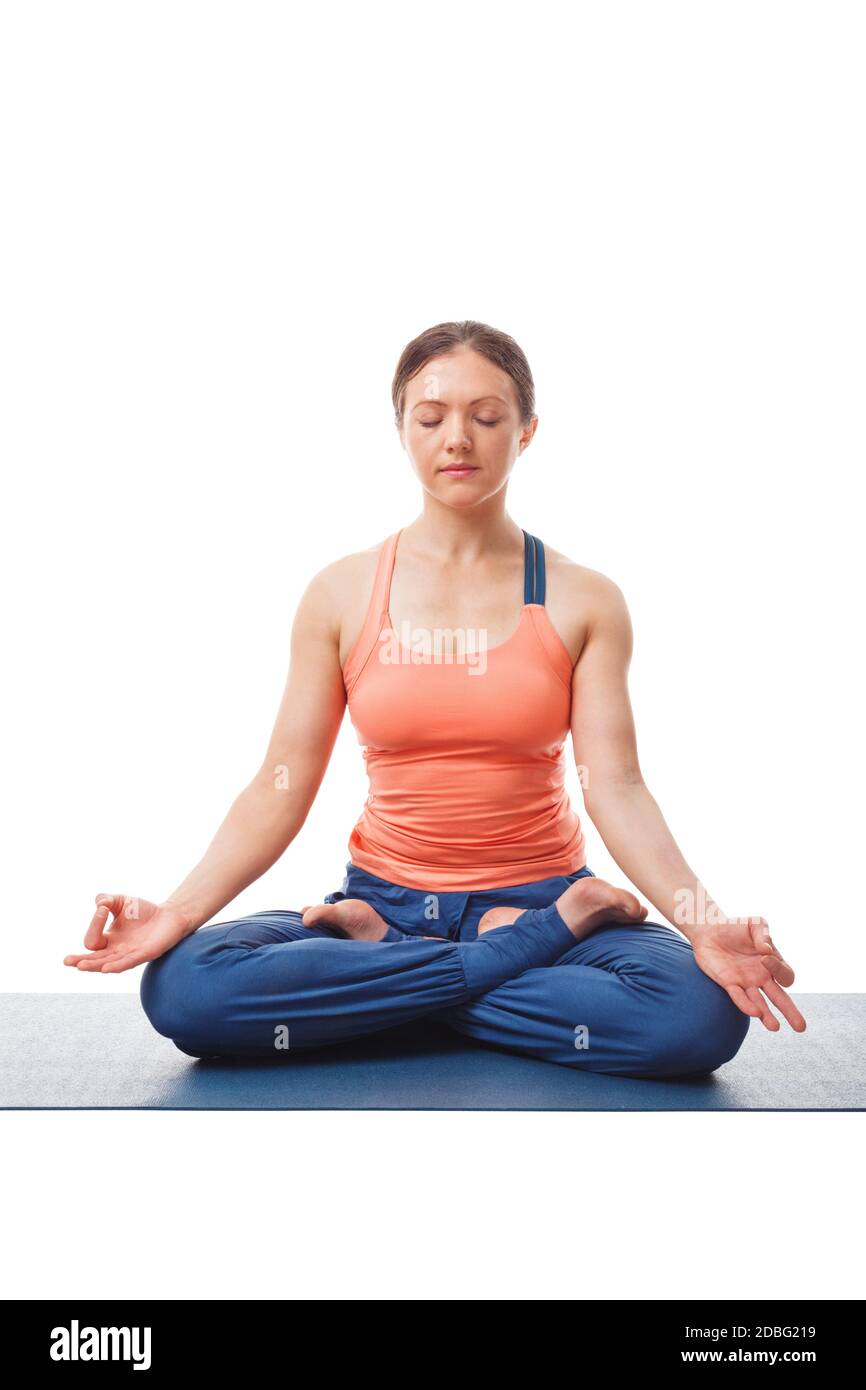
467 895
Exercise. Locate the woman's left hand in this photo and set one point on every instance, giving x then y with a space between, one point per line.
739 954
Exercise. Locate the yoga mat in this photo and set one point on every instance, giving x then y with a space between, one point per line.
99 1052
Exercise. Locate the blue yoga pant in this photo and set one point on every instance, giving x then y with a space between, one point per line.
626 1000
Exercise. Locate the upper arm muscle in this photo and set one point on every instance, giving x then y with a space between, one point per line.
602 724
314 699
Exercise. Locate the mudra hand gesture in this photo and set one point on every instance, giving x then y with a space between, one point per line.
740 955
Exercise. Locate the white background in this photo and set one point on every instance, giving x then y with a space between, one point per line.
222 224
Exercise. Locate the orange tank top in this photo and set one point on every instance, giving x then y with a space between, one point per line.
463 747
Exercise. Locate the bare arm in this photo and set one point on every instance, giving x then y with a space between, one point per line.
617 799
738 953
267 815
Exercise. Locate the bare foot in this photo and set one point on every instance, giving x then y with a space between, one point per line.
583 906
352 916
499 917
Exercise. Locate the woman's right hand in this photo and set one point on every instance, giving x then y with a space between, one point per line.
140 931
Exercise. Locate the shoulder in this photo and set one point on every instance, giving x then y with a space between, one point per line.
340 577
336 588
596 594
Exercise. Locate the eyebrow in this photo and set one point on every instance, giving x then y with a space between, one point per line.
475 402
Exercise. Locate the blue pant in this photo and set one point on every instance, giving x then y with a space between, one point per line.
628 1000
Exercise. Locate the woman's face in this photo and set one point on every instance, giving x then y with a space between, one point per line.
461 414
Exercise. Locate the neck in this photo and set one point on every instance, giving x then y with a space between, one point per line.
448 534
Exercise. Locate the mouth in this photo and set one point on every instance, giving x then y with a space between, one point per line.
460 470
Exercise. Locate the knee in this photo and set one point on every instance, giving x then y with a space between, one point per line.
167 991
722 1034
709 1032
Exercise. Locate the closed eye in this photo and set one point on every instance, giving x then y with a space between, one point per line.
431 424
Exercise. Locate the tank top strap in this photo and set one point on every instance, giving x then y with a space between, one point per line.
380 597
377 608
533 569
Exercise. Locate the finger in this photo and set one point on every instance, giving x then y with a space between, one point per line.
125 962
779 969
767 1017
766 947
105 960
94 962
99 958
786 1006
83 955
94 937
113 901
106 905
761 939
743 1002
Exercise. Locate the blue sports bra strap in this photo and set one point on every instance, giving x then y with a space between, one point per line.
533 569
540 576
528 567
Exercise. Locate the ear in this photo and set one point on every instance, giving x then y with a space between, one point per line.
527 433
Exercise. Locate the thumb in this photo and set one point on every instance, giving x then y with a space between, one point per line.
107 904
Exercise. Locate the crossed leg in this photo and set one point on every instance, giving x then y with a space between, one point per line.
268 982
626 1000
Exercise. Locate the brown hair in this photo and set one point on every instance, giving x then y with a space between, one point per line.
496 346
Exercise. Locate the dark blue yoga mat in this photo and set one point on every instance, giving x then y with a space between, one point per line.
98 1051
